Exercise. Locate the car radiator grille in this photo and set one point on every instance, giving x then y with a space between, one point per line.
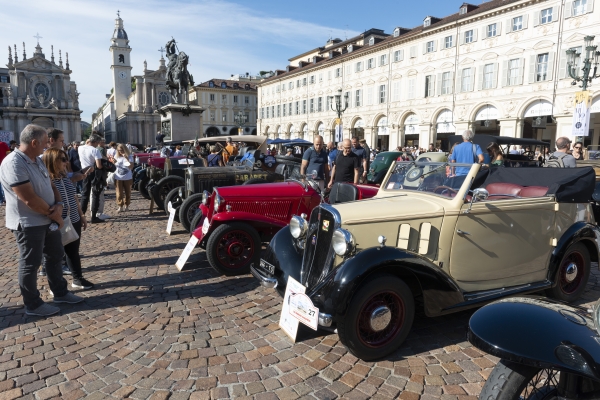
273 209
209 184
318 253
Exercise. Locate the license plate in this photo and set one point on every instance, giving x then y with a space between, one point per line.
205 226
267 267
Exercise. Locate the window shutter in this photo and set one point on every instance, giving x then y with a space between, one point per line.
348 69
509 25
475 35
433 80
521 70
550 75
439 84
536 18
505 73
589 6
554 14
568 9
453 40
480 77
532 68
562 65
424 47
525 20
396 91
499 28
484 33
435 46
495 76
441 43
462 38
401 54
473 71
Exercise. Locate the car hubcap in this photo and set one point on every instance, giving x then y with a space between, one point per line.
380 318
236 249
572 271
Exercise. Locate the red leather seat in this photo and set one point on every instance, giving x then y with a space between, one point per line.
496 190
533 191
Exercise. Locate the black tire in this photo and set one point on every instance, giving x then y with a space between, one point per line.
143 187
357 332
188 210
254 181
232 247
195 221
510 381
163 187
175 200
570 287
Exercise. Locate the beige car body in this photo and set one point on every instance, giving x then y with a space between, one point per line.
498 243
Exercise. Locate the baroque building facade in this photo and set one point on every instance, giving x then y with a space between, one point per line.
498 68
39 91
130 110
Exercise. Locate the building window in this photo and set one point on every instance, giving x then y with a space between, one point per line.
541 67
446 83
359 66
369 96
284 110
290 109
297 83
396 32
488 76
382 94
303 106
297 108
211 84
291 85
303 81
513 71
466 84
469 36
411 88
491 30
448 42
429 86
370 63
398 55
463 10
319 104
429 47
579 7
371 41
262 113
338 72
212 116
212 97
546 16
235 99
224 98
247 99
383 59
223 85
517 23
358 98
312 79
426 22
278 110
312 106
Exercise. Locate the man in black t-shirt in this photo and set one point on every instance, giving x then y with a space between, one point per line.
346 165
160 139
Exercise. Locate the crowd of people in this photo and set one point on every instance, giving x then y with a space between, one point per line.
47 187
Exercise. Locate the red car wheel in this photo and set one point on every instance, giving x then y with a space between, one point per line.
231 248
573 274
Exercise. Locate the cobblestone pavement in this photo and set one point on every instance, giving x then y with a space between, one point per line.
150 331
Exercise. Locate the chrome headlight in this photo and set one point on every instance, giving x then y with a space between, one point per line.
218 202
342 242
596 313
298 227
136 159
205 197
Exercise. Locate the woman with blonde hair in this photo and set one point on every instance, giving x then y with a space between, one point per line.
123 177
56 161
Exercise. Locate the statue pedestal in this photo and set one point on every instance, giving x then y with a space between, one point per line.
181 122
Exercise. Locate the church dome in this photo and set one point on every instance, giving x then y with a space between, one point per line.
119 32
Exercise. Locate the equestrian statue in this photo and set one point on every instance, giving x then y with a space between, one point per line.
178 77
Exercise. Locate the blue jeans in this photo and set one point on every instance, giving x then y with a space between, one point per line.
36 243
2 198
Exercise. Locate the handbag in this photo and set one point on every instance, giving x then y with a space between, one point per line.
68 232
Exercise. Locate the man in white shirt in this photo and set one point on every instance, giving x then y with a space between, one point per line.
90 157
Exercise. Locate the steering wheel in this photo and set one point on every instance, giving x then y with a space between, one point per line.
443 190
414 174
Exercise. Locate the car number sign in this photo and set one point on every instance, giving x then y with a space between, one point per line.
186 161
287 322
191 245
302 308
205 226
171 218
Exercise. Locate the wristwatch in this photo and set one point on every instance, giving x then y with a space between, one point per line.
60 203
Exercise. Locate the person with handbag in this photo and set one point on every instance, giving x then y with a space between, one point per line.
123 177
33 213
56 162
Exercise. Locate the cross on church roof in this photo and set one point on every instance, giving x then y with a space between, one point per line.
118 13
161 51
38 37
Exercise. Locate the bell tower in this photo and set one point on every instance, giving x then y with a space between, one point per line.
121 67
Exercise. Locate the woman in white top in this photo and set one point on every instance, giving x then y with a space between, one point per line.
123 177
112 150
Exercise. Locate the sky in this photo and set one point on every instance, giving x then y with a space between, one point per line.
221 37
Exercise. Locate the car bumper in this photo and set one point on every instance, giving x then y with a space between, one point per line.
264 280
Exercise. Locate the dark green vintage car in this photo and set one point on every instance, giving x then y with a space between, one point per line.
381 164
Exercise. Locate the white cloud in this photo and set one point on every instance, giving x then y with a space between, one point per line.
221 38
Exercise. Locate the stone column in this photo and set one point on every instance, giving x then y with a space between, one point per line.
138 94
564 127
426 133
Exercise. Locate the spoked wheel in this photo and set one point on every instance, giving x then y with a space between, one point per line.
510 381
573 274
195 224
231 248
142 186
188 210
378 319
163 187
175 200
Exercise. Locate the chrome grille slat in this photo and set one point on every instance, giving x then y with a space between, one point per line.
273 209
318 257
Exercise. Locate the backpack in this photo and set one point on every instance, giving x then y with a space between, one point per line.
555 162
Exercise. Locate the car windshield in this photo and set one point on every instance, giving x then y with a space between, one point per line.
439 178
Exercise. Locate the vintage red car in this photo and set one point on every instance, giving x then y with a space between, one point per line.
236 220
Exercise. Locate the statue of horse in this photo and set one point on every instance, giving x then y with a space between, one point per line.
178 78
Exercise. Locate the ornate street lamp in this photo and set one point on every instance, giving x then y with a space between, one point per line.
339 107
591 58
240 120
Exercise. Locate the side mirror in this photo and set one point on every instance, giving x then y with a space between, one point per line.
479 194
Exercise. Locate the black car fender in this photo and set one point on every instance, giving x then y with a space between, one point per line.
285 256
425 279
581 231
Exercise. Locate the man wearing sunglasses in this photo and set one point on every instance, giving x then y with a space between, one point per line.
347 164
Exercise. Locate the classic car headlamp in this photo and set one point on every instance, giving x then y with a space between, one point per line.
205 197
136 160
596 314
298 227
342 242
218 202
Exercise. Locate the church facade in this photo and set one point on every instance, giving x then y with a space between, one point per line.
39 91
130 110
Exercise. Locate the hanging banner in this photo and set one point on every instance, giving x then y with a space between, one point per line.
339 133
6 136
581 114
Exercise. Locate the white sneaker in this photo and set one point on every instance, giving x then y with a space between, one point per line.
103 216
119 209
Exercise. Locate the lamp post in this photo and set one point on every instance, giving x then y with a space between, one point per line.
339 108
591 58
240 120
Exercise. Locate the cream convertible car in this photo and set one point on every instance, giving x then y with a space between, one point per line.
440 236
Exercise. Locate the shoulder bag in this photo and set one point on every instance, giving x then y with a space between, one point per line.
68 232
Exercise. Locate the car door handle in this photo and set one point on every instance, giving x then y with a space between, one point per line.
462 232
